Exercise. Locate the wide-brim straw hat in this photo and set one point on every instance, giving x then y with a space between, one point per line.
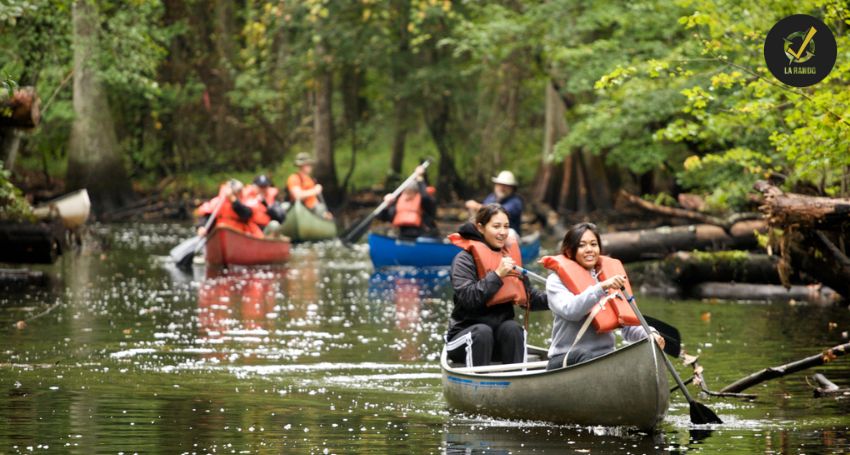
304 158
505 178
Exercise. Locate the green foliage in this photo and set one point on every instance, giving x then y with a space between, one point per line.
676 89
13 206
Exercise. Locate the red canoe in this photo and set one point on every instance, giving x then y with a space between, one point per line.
226 246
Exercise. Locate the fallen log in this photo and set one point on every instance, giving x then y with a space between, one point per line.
782 370
691 268
699 379
630 246
826 388
786 209
765 292
21 110
810 228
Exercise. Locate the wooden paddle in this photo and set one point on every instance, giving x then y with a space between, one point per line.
184 253
354 234
672 337
700 413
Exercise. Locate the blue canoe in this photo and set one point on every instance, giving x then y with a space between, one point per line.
388 251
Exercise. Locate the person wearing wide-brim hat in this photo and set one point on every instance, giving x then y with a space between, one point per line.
303 188
504 193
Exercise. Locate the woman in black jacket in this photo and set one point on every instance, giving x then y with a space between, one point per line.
482 328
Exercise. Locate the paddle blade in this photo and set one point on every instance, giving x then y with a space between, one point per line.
183 254
700 414
356 232
672 338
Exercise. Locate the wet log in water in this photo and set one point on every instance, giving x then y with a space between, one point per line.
765 292
782 370
630 246
688 269
825 388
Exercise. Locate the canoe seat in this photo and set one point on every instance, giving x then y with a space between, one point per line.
531 358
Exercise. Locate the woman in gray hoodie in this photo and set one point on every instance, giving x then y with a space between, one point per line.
572 308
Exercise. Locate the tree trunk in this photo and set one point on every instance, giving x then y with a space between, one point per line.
400 66
94 160
323 131
399 137
437 119
10 140
629 246
499 107
597 182
353 111
547 186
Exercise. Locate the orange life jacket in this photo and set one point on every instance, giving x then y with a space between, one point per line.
255 200
253 192
408 211
617 312
228 217
487 260
305 182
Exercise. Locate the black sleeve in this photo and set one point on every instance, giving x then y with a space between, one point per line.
538 298
470 293
202 221
429 205
242 210
388 213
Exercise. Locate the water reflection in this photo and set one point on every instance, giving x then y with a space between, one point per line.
505 437
238 299
409 290
322 353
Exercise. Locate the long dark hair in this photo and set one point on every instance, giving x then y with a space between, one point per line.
486 212
572 238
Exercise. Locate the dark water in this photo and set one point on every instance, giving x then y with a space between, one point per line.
123 353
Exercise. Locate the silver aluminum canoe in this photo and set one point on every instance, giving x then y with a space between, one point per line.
627 387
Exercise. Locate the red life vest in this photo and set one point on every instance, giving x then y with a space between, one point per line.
408 211
617 312
487 260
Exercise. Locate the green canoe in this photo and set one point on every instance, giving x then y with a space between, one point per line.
302 225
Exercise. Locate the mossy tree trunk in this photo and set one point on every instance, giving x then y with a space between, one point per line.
94 160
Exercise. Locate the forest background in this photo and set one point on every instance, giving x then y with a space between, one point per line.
579 98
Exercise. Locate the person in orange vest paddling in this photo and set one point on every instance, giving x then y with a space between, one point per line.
233 212
482 328
415 211
261 197
584 296
302 187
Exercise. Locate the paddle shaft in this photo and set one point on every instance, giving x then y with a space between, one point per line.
631 300
353 233
529 273
207 226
